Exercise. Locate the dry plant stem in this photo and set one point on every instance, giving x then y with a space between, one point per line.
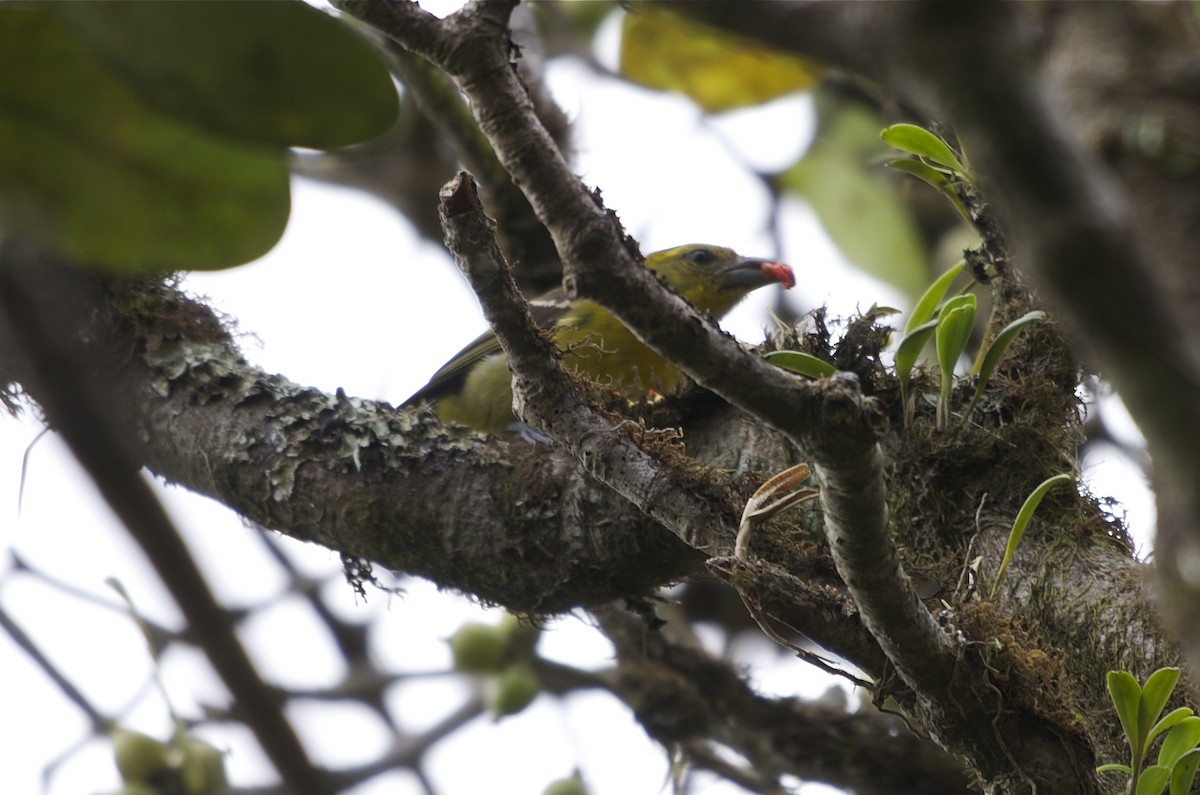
30 297
758 509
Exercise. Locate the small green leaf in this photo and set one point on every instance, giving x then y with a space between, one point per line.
952 334
1125 693
925 307
909 351
921 142
1155 694
802 363
995 352
1183 737
924 172
1153 780
1126 769
1024 516
932 176
1173 718
1184 773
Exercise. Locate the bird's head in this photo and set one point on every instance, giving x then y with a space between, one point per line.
713 278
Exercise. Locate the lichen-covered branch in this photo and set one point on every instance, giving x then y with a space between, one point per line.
511 523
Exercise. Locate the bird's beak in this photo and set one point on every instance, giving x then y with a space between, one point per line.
752 272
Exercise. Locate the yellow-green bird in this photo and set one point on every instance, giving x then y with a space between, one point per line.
475 387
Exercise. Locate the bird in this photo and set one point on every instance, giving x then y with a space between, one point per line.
475 387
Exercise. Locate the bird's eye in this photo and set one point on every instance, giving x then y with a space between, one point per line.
700 256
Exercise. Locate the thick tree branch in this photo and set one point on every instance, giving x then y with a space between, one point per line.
356 475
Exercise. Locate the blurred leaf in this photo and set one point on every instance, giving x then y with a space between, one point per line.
802 363
668 52
862 214
921 142
120 188
571 785
512 691
278 72
576 21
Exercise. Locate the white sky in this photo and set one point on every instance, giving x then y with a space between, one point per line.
345 301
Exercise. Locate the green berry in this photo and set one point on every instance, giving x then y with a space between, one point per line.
479 648
571 785
139 756
513 691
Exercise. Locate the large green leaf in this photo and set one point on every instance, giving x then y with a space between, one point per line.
273 72
1153 780
117 186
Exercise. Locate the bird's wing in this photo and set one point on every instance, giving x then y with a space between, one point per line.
546 310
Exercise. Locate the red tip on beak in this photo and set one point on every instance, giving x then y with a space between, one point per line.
778 272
